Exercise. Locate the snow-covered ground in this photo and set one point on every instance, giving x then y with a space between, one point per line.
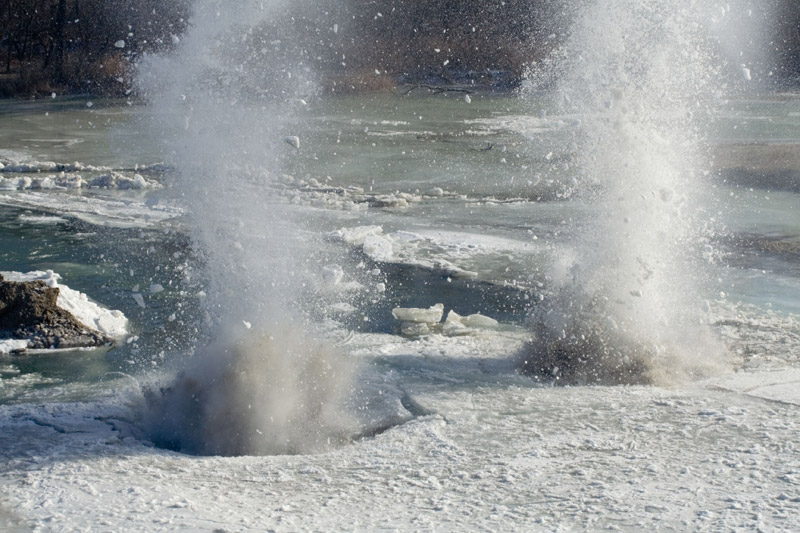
485 451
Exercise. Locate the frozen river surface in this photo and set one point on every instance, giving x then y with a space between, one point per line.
409 202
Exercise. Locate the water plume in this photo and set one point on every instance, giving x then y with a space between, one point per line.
640 75
224 102
255 393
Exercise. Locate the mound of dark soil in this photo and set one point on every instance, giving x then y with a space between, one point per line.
29 310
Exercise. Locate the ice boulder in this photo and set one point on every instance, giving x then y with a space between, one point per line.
431 315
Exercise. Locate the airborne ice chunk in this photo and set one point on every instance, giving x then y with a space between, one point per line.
293 141
333 274
139 300
746 73
431 315
120 43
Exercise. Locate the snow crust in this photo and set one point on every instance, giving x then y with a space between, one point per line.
486 450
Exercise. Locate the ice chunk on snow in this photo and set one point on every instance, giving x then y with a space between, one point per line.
356 236
456 324
378 247
292 140
431 315
414 329
478 320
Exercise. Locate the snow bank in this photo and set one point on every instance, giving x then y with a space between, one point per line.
110 322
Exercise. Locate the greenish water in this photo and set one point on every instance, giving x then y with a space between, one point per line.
482 154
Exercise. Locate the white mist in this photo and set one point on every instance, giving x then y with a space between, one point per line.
639 74
223 102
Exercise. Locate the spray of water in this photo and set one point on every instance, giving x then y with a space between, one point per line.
277 393
626 307
225 102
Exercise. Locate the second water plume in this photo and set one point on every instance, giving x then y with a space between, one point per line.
225 100
625 307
